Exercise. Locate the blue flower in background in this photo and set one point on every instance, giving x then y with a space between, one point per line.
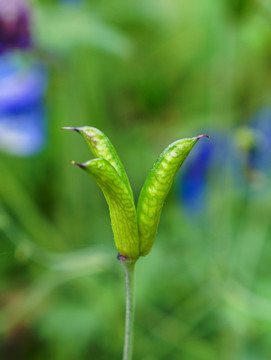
22 115
193 181
253 149
254 146
204 159
244 153
14 25
260 153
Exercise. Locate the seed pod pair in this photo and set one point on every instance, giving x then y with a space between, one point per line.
134 230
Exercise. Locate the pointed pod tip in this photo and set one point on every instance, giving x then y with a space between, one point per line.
82 166
69 128
201 136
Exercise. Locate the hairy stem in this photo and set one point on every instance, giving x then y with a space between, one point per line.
128 266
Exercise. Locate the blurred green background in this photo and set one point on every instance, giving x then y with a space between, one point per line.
146 73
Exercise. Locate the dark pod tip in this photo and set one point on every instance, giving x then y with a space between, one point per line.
201 136
82 166
69 128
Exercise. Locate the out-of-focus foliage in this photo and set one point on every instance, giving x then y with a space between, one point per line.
147 73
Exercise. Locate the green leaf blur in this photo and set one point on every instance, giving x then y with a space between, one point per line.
146 73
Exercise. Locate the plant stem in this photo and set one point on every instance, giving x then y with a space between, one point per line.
128 266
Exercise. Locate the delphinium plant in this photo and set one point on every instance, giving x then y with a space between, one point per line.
134 228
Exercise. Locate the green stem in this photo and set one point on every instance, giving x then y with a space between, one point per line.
128 266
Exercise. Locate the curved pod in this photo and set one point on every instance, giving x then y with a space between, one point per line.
121 205
156 188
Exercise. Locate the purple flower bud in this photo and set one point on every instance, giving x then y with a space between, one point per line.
14 25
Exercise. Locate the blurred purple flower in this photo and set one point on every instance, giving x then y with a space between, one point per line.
244 153
22 116
260 153
14 25
254 150
193 185
193 181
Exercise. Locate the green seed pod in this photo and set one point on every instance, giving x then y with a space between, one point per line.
134 232
101 147
156 188
121 205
